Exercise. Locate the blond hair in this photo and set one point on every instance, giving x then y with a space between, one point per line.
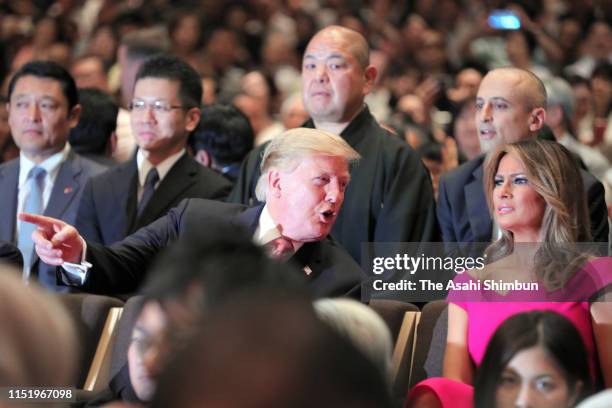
286 150
554 174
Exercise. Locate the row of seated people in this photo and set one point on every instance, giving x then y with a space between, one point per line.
380 205
303 210
530 187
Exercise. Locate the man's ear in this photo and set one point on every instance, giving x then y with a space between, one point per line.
274 183
537 119
74 115
369 74
193 118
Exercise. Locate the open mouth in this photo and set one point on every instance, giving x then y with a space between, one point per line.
487 134
504 210
328 215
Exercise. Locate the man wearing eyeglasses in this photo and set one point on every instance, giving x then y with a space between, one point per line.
47 177
165 108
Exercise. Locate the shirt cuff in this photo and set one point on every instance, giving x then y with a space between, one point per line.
75 274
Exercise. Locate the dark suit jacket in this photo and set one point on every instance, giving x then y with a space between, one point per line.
63 203
107 212
462 209
122 267
390 196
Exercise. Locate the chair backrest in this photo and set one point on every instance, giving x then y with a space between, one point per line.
392 312
98 375
89 313
430 342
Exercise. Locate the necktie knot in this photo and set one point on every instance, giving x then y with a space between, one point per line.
152 178
36 173
280 248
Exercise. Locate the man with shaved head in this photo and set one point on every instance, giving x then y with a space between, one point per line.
391 197
510 106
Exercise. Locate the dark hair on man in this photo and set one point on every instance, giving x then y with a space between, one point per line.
575 80
279 337
551 331
224 132
602 70
174 69
49 70
97 122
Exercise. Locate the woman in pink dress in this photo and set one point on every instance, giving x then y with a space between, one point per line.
534 191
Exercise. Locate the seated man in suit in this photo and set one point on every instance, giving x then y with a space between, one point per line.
304 176
47 177
165 109
510 106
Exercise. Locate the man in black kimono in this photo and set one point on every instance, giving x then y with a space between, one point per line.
390 198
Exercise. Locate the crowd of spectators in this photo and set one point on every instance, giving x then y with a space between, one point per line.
430 56
215 312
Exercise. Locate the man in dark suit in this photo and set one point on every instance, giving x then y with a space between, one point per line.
511 105
165 109
304 176
391 197
47 178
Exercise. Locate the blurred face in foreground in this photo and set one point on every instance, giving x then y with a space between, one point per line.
533 379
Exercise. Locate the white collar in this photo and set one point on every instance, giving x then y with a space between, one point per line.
163 168
51 165
267 230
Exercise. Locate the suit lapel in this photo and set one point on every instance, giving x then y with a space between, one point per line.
180 177
124 190
9 178
66 186
476 205
309 257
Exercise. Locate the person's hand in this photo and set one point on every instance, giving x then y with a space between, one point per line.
55 241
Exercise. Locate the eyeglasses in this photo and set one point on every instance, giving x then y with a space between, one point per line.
138 105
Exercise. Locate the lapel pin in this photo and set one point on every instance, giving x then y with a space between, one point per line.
68 190
307 270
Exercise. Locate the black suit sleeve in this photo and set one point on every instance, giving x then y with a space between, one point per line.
443 212
121 268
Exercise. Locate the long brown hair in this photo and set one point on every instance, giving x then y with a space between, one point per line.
554 174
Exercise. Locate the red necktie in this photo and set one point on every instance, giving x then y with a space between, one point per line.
280 249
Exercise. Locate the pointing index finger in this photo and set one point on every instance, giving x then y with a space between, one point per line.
41 221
